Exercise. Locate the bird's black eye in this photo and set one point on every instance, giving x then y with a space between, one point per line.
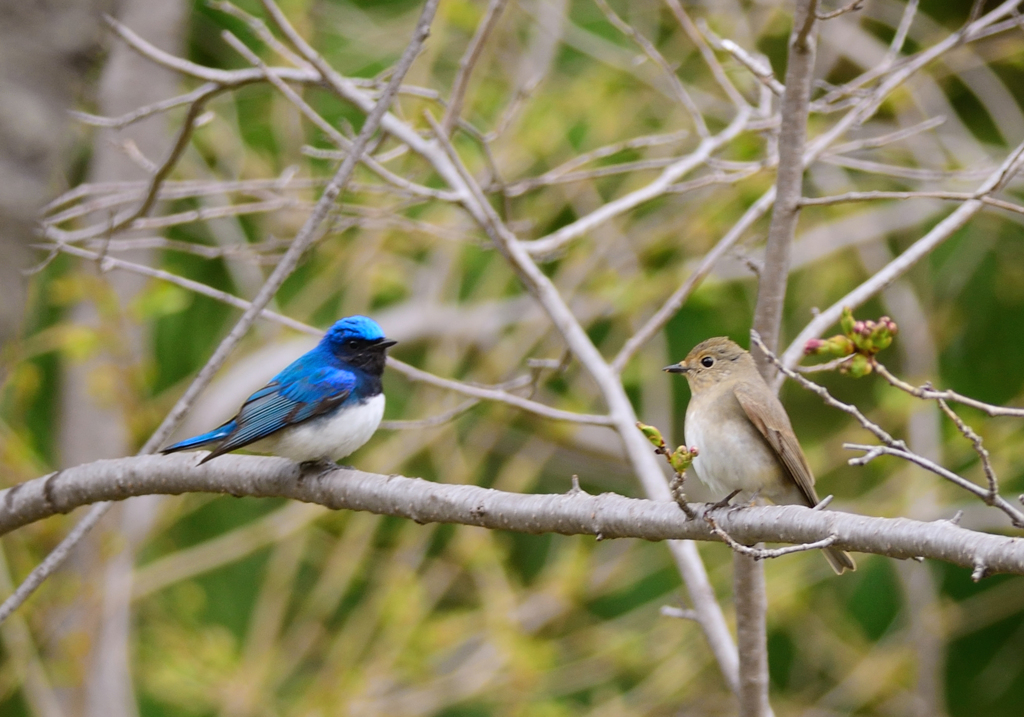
707 362
352 343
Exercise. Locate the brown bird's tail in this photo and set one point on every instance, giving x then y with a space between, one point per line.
839 560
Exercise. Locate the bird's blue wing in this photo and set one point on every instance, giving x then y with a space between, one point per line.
295 395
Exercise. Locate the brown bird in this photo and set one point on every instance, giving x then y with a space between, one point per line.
743 435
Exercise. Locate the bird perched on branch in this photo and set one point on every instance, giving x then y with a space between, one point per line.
743 435
322 407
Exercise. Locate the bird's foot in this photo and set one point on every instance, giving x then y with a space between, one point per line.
724 502
316 468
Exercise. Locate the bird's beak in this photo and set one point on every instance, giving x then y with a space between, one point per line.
385 343
677 368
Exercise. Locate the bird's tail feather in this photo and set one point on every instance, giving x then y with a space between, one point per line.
839 560
203 439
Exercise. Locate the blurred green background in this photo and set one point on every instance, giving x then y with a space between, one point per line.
262 607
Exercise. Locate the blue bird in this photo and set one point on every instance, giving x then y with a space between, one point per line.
322 407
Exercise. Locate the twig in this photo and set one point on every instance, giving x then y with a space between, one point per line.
579 160
468 61
762 73
896 46
652 52
827 366
880 433
260 29
678 612
436 420
892 170
167 220
53 560
766 553
121 192
975 439
849 7
887 138
177 149
201 93
872 452
710 60
492 394
928 392
875 195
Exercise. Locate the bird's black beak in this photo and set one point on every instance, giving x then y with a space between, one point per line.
676 368
384 343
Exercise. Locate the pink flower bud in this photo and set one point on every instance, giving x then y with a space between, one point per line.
813 346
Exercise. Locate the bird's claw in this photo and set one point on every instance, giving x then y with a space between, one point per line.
724 502
316 468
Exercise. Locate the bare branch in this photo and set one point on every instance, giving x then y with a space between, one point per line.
574 513
928 392
468 62
493 394
260 29
898 266
667 310
756 553
547 246
549 177
975 439
438 420
771 287
892 446
758 70
888 138
53 560
201 93
709 57
896 46
849 7
652 52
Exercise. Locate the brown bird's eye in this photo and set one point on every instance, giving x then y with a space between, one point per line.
707 362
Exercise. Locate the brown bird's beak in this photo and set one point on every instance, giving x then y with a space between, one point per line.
677 368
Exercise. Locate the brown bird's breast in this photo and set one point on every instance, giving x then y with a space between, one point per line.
732 454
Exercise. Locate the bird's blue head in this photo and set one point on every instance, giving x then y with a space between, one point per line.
360 342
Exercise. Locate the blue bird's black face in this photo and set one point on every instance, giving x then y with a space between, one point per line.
360 342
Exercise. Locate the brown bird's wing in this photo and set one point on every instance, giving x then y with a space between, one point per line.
773 423
771 420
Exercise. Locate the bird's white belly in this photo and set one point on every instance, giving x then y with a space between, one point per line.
332 437
731 455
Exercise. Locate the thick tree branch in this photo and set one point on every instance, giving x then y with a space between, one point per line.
748 580
608 515
771 289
